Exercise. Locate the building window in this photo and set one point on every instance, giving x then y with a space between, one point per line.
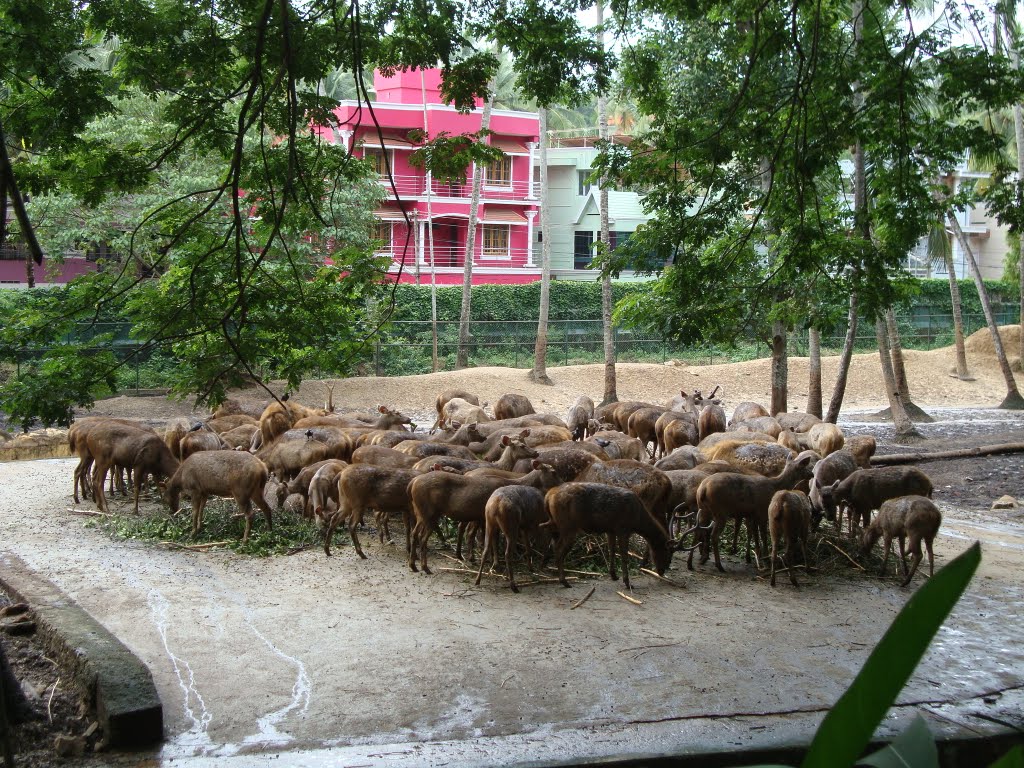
382 234
377 158
495 241
499 173
584 185
583 250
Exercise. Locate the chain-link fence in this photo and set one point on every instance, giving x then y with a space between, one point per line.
406 348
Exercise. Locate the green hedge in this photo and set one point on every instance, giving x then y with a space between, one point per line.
570 300
573 300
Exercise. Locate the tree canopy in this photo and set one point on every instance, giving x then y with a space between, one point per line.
196 148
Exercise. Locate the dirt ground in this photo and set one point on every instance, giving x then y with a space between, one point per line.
373 664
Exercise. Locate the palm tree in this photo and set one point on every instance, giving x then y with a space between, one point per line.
814 372
939 250
462 358
839 388
610 395
1013 398
540 350
1006 21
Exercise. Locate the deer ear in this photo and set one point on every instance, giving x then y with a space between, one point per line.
382 408
535 464
437 467
506 440
525 433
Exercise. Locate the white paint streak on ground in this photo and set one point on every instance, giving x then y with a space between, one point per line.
195 739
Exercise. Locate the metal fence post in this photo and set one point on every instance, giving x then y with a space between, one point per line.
376 356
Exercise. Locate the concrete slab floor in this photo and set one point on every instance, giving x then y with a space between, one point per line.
337 661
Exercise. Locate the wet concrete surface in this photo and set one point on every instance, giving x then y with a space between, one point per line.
337 661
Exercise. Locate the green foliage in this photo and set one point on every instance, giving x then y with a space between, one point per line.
220 524
50 389
448 157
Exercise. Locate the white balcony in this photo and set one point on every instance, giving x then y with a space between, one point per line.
409 186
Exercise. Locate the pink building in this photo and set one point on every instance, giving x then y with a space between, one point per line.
12 268
439 212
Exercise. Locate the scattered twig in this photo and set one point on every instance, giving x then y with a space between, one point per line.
49 701
656 575
197 547
299 548
471 573
840 551
89 512
648 647
627 598
634 554
583 573
506 680
543 581
583 599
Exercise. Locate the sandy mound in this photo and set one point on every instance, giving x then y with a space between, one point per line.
980 343
930 384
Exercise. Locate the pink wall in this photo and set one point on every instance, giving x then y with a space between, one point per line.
14 271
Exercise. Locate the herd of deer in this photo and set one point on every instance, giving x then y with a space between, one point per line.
623 469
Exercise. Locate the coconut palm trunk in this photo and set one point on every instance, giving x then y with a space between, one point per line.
835 404
780 368
958 320
610 395
462 358
900 417
540 349
1013 399
814 372
900 369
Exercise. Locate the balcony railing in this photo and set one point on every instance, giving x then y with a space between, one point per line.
415 186
452 256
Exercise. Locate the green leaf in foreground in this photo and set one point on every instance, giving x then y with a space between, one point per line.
848 727
914 748
1012 759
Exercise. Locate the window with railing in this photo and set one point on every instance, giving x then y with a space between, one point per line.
499 173
495 241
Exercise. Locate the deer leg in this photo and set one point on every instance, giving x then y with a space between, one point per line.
775 545
424 537
245 507
332 523
355 518
198 503
488 534
510 542
624 555
931 557
99 478
915 561
716 543
562 544
137 487
611 557
886 546
791 558
268 515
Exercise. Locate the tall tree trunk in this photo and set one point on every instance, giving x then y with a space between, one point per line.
462 359
1018 132
958 319
780 369
900 418
540 350
610 394
915 412
896 352
835 404
814 372
1013 400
